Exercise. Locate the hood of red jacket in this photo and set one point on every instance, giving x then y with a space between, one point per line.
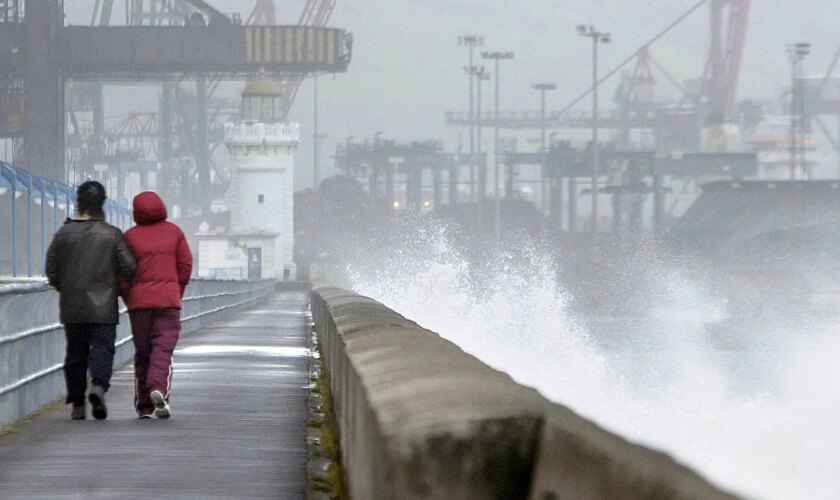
148 208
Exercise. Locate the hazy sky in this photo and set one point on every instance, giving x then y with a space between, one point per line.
407 67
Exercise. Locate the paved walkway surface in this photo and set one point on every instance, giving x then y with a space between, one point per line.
237 430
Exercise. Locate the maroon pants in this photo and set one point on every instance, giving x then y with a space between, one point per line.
155 335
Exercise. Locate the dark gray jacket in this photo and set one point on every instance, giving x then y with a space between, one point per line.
84 263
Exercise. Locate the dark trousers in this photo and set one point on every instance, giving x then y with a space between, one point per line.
89 346
155 333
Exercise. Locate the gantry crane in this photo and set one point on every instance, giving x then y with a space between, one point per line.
730 19
714 98
180 121
163 40
315 13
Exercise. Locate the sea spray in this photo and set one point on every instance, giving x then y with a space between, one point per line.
750 409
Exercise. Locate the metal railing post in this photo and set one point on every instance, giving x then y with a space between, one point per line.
43 229
55 189
14 224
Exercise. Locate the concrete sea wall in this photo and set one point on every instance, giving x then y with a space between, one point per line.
419 419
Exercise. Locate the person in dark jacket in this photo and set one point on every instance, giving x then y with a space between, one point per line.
86 259
164 265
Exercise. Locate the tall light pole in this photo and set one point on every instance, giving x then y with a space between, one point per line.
796 53
471 42
316 171
543 88
597 37
481 75
497 57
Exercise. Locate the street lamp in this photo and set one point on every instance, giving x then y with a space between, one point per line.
471 42
481 75
543 88
597 38
474 121
316 171
497 57
796 53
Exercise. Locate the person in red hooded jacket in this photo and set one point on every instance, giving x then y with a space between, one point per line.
164 266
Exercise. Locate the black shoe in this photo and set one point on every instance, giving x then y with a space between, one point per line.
78 412
97 402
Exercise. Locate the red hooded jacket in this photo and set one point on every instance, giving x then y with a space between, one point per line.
164 261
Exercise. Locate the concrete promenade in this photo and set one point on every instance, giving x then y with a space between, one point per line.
239 416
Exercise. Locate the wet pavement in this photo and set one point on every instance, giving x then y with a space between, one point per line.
239 416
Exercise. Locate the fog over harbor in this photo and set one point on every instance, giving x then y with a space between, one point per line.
519 228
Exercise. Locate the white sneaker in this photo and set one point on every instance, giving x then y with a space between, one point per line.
161 406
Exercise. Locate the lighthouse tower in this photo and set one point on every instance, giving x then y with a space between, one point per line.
261 195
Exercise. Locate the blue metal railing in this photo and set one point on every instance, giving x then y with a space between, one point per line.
16 181
225 273
32 340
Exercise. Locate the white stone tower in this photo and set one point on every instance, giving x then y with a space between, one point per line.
262 182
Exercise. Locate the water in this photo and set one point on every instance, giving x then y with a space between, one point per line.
755 411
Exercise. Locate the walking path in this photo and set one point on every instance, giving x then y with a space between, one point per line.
239 416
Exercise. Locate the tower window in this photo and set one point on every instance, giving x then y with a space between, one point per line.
260 199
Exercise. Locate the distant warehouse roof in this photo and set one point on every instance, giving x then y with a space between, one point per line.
729 212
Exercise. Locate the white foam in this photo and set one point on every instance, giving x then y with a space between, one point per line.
759 431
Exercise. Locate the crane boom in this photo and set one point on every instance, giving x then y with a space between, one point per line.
730 19
315 13
262 14
718 83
